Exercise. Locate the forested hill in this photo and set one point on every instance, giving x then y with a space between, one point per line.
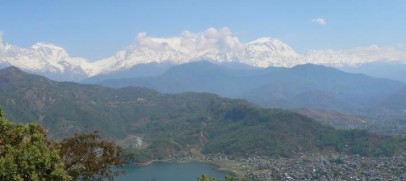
302 86
159 125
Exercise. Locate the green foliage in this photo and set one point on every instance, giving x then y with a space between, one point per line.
208 178
258 131
178 123
138 156
2 113
88 157
25 154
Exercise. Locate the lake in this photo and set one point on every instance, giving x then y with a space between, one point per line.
169 171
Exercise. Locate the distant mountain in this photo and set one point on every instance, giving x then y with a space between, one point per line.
198 77
310 86
315 86
54 62
215 45
140 70
157 125
44 59
395 103
391 70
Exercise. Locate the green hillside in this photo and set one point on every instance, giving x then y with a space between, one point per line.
157 125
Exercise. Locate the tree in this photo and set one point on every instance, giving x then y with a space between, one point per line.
88 157
2 113
207 178
25 153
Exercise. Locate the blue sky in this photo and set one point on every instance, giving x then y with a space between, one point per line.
98 28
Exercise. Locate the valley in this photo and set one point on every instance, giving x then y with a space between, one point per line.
327 92
186 126
209 90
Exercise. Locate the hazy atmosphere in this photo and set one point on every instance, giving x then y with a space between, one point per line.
203 90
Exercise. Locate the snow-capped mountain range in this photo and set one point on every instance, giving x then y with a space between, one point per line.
216 45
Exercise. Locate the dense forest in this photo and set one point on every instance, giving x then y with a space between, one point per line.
154 125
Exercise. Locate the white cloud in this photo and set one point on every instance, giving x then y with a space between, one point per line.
321 21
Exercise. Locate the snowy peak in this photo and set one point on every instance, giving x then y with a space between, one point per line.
50 51
266 52
215 45
218 46
42 58
274 45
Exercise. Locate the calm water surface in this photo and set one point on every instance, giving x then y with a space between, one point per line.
164 171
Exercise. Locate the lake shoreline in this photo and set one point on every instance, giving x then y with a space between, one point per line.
171 171
215 163
218 166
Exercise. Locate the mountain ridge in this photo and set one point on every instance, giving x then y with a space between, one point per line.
169 124
215 45
54 62
287 86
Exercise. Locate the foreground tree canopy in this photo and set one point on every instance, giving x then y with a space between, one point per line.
88 157
26 154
